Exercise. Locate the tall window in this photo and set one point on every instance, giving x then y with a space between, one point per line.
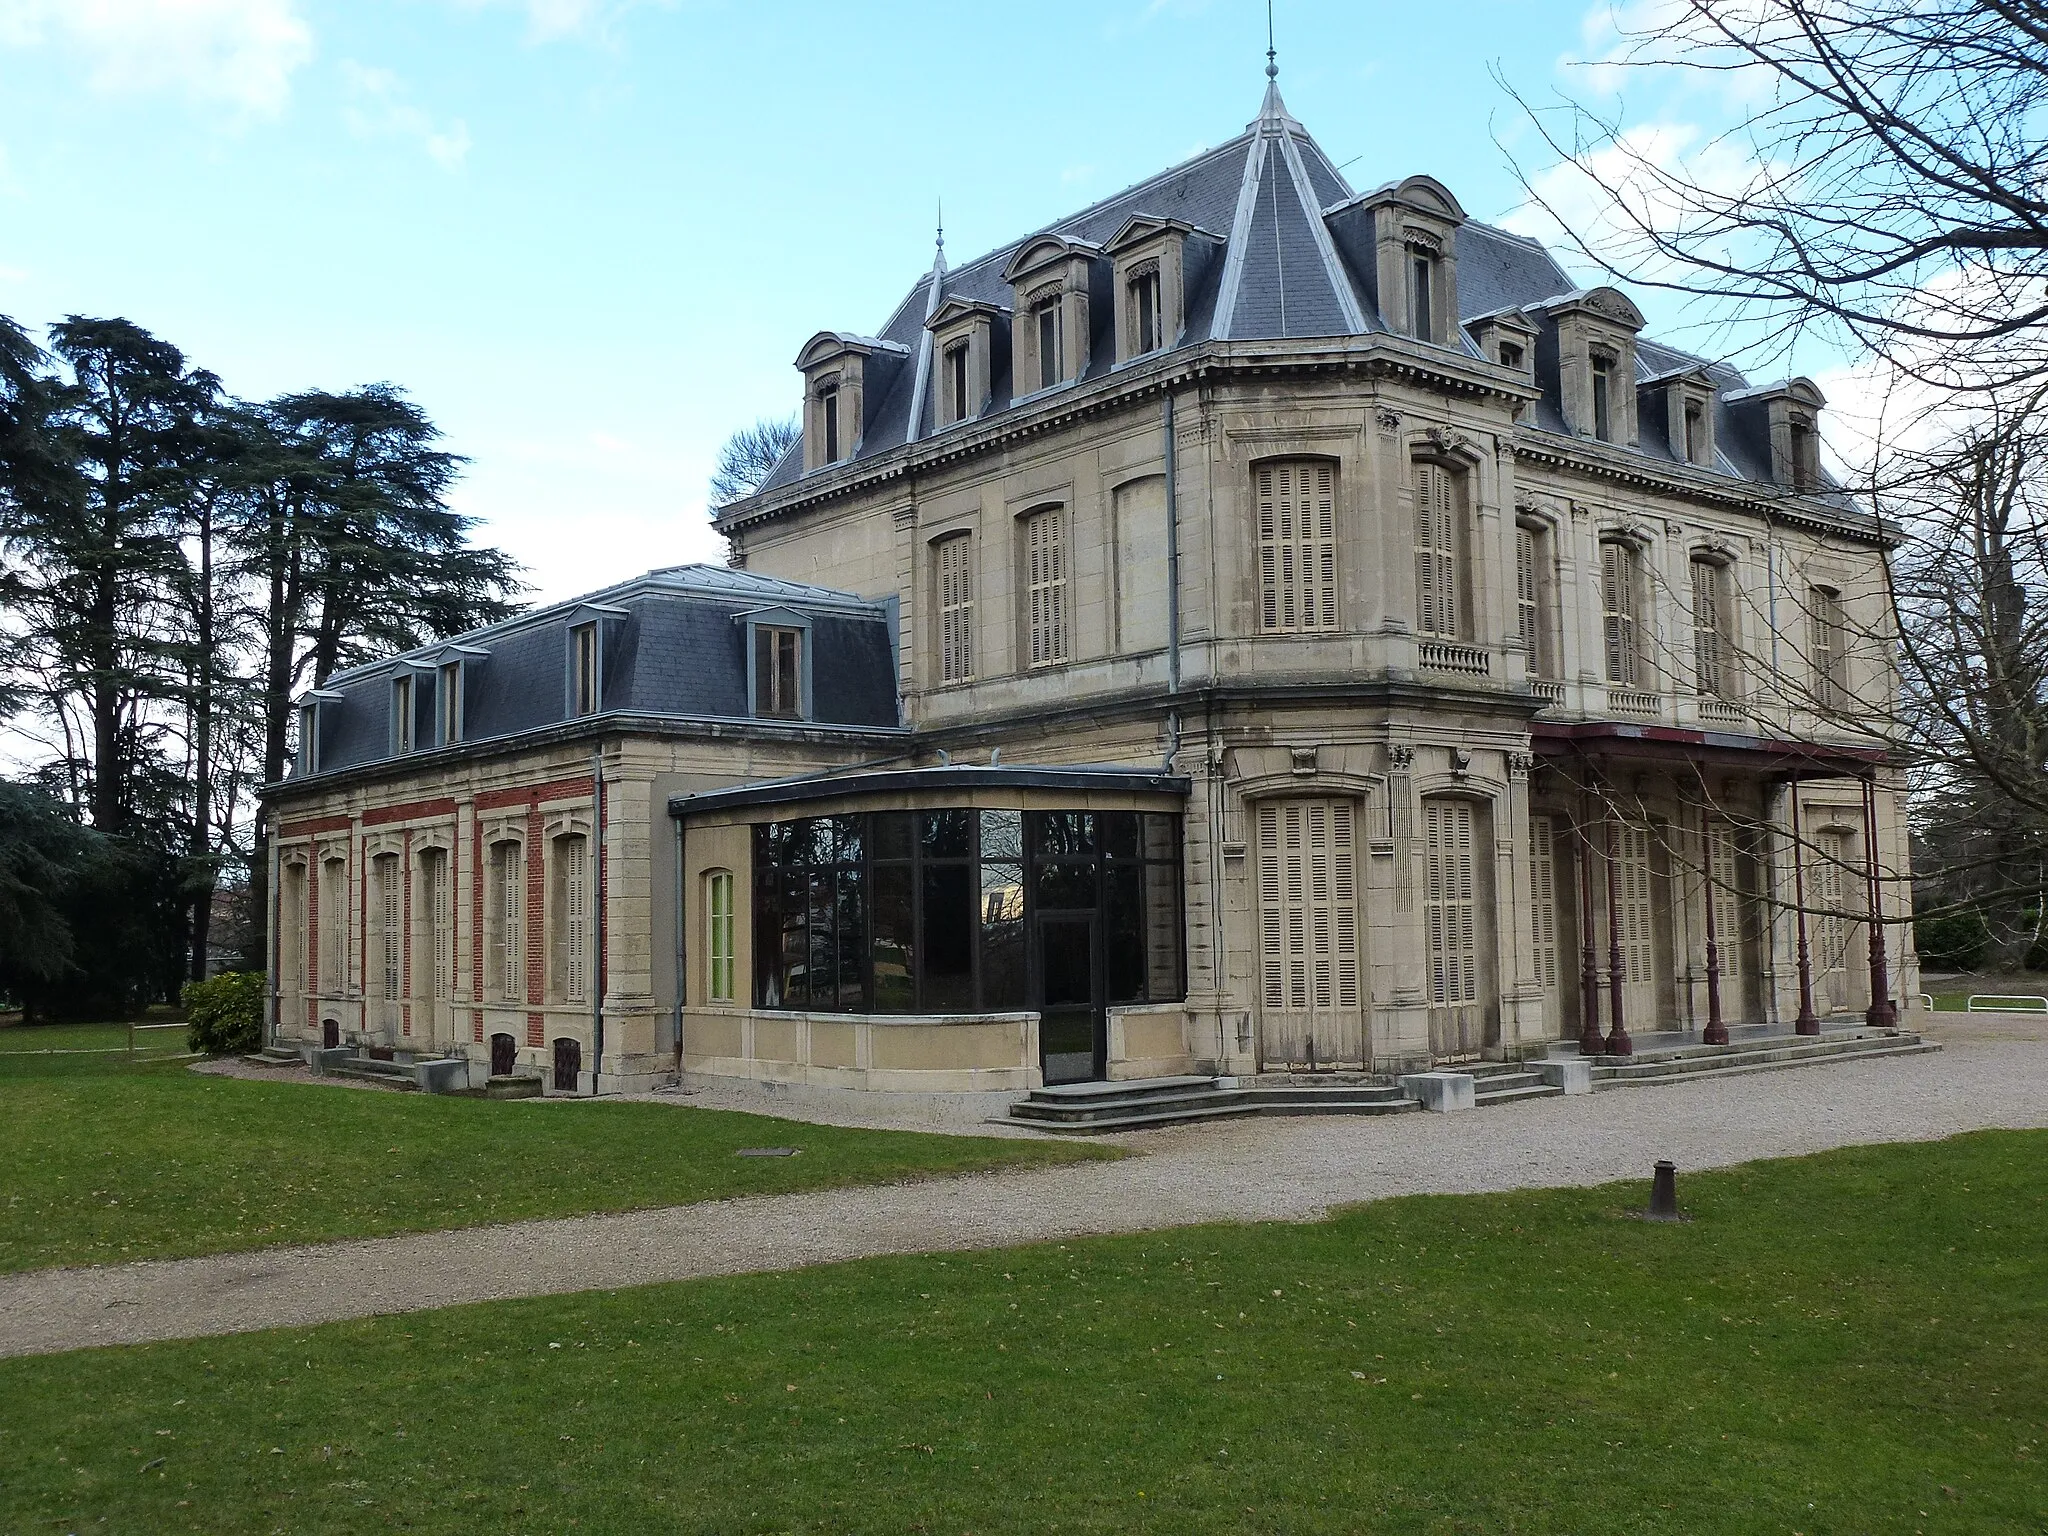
1695 432
1511 354
1713 651
1297 507
435 907
1534 618
448 695
508 920
1422 303
1050 363
333 930
1804 448
1829 647
1439 604
1142 294
401 714
1045 560
718 935
292 935
778 673
583 678
956 607
828 413
1603 398
391 932
1619 600
958 406
572 919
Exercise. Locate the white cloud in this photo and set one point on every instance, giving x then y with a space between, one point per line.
378 109
549 20
239 54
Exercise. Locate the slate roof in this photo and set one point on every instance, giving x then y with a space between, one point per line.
1283 269
673 646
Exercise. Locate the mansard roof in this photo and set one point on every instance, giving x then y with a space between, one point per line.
1294 261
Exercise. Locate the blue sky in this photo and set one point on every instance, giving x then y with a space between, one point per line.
589 236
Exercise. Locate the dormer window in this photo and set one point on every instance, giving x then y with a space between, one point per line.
1804 455
1045 319
1603 397
448 703
1596 363
309 738
964 333
958 407
778 642
828 418
583 669
1512 355
401 714
1695 431
1141 298
1790 414
1421 299
840 371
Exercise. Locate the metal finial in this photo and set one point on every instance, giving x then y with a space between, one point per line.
942 224
1272 69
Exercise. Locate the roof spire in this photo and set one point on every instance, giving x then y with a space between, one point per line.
939 254
1273 109
1272 69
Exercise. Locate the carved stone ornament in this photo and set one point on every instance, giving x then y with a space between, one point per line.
1519 764
1400 757
1426 241
1527 504
1388 418
1461 761
1304 760
1445 440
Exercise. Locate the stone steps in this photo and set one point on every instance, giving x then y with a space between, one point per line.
1758 1056
430 1074
1096 1107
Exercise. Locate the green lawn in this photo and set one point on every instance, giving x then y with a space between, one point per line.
109 1160
1845 1344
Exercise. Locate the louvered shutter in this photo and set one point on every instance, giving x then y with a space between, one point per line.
1617 585
1525 596
1047 583
1543 899
1706 628
956 609
575 920
1296 505
1436 555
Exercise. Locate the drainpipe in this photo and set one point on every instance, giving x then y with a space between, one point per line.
683 947
1172 593
277 939
597 978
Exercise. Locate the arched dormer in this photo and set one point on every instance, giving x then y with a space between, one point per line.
840 371
1787 417
1683 400
965 336
1154 262
1595 356
1413 230
1052 278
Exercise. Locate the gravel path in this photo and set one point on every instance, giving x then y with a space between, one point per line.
1293 1170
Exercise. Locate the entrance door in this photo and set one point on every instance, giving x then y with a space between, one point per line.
1458 928
1548 885
1828 923
1309 1005
504 1055
1070 1019
1636 926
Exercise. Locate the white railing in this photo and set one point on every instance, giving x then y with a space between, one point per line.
1628 701
1719 709
1999 1002
1439 656
1544 689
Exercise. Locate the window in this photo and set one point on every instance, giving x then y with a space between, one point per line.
1603 402
333 928
1535 621
1438 600
778 673
401 714
391 933
1045 615
1712 644
435 908
1050 363
309 738
448 703
508 921
828 413
1142 295
572 919
1805 455
1695 432
954 561
1297 511
1420 299
1511 355
1618 602
959 408
583 670
1830 659
1308 916
718 935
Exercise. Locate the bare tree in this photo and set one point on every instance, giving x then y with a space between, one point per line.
1894 195
749 457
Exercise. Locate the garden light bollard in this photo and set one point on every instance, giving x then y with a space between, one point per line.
1664 1192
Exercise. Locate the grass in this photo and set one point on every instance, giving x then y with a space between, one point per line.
109 1159
1847 1343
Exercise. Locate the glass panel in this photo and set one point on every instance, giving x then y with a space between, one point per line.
1119 833
1068 886
846 839
823 964
767 941
852 936
1164 974
1063 832
948 938
795 945
1123 942
895 946
1162 837
1066 1027
1002 934
1002 834
944 834
892 834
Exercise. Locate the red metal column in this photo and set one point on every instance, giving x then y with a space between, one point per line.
1808 1022
1618 1042
1880 1014
1716 1031
1590 1043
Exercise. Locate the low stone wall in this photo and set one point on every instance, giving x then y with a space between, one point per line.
915 1053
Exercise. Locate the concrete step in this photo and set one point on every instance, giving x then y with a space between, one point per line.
1225 1105
1752 1056
1654 1072
1483 1097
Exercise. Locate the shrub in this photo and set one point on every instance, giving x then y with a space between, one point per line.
1955 942
224 1013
